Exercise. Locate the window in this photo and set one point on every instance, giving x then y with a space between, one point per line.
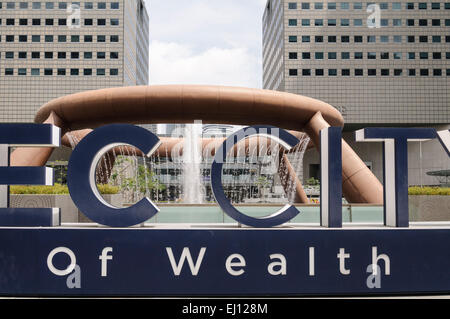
10 5
422 5
88 55
306 55
371 38
10 21
411 39
101 55
423 22
114 38
305 38
318 38
101 38
358 38
48 71
447 6
358 55
371 55
89 5
357 5
435 22
23 21
397 38
424 72
318 5
410 6
35 72
345 72
447 55
23 38
62 55
62 38
62 21
88 22
423 55
384 22
437 55
384 38
23 5
87 72
49 5
345 39
35 55
411 55
74 55
436 39
448 72
114 55
75 38
293 72
9 38
447 22
396 6
306 72
49 21
383 6
398 72
36 5
22 71
397 22
48 38
331 38
410 22
36 22
345 6
318 55
345 22
114 22
423 38
62 5
305 6
61 72
332 55
447 39
22 55
35 38
357 22
101 5
293 22
372 72
384 72
88 38
318 22
384 55
9 71
292 38
332 72
74 72
319 72
331 5
345 55
437 72
291 5
331 22
305 22
435 5
293 55
101 22
359 72
397 55
48 55
9 55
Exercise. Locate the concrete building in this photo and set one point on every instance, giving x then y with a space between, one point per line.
380 64
50 49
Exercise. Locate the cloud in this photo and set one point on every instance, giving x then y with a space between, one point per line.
178 63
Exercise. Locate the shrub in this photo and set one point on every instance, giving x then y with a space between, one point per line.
56 189
429 190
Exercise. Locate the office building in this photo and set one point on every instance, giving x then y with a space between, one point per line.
380 64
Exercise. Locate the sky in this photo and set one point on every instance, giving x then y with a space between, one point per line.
216 42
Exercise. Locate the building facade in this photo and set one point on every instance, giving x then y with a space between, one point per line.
50 49
379 63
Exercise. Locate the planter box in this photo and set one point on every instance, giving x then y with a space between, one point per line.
69 212
429 208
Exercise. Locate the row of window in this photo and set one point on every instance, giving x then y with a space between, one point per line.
370 55
59 38
73 72
49 5
359 5
369 38
61 55
370 72
359 22
61 22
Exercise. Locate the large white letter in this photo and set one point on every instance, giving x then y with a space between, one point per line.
104 257
342 256
229 264
281 264
186 254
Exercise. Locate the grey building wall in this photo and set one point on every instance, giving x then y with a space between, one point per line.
43 56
